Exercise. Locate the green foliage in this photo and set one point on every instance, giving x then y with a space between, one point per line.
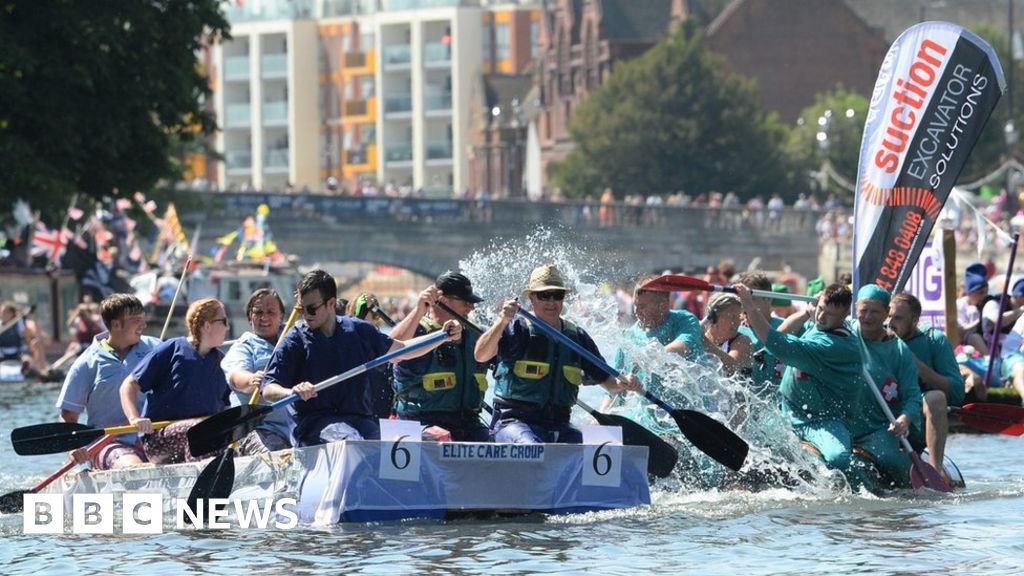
94 95
674 119
830 128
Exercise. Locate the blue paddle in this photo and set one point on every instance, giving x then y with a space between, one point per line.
232 424
707 434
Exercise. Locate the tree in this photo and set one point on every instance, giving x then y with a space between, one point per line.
675 119
94 95
830 128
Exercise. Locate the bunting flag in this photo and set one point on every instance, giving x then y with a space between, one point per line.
48 243
172 235
936 89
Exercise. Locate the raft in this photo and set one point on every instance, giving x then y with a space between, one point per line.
370 480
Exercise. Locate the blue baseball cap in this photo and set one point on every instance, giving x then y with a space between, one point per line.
1018 288
974 282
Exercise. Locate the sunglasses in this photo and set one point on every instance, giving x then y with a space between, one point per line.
556 295
222 320
310 309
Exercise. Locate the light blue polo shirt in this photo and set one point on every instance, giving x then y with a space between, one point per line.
93 383
252 353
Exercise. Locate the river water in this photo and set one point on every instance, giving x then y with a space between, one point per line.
690 527
976 531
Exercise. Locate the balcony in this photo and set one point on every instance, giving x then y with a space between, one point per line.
437 54
274 66
276 160
236 68
354 59
355 108
398 104
439 150
397 57
439 102
275 113
238 161
398 153
237 115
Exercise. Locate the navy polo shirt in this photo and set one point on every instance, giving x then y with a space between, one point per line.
179 383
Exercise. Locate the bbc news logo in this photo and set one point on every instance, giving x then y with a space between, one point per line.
144 514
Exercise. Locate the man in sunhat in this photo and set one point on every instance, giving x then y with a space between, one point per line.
894 372
538 379
446 387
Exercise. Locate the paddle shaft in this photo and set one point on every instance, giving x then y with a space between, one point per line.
292 318
91 451
428 341
769 294
17 318
570 343
174 300
993 347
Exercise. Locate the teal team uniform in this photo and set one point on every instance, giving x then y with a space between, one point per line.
932 347
891 365
768 370
821 390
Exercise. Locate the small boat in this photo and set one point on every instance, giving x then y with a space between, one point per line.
10 371
371 480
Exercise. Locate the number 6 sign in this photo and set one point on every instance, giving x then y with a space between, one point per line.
400 450
602 455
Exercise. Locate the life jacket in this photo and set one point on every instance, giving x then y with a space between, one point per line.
12 341
549 374
454 382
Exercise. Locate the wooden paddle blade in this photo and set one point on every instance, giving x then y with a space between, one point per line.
52 437
676 283
13 502
995 418
712 437
215 481
221 429
661 456
924 475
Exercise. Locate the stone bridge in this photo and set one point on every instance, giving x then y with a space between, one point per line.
429 236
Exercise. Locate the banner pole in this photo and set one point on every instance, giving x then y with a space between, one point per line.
993 347
949 284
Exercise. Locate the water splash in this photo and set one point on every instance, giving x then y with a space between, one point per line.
776 457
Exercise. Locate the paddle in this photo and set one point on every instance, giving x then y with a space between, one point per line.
680 283
662 456
382 315
174 300
232 424
13 502
922 474
54 437
217 478
707 434
21 314
995 418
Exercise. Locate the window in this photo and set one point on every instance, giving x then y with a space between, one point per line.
502 50
368 87
534 38
366 41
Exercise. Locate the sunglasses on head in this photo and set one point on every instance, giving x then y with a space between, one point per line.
556 295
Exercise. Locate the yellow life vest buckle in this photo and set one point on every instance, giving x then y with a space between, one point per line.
531 370
438 381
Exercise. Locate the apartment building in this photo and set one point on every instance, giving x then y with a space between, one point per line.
355 92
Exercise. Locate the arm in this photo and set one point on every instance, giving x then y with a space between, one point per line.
910 392
758 323
678 347
794 323
130 390
407 327
239 367
932 379
452 327
487 344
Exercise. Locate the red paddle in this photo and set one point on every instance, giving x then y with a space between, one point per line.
14 501
680 283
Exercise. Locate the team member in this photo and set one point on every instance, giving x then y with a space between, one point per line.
183 381
894 372
941 382
823 385
538 378
723 337
93 383
245 363
766 370
446 387
324 346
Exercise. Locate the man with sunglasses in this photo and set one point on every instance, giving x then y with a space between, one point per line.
538 379
324 346
445 388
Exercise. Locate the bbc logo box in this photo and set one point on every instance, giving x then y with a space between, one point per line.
93 514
